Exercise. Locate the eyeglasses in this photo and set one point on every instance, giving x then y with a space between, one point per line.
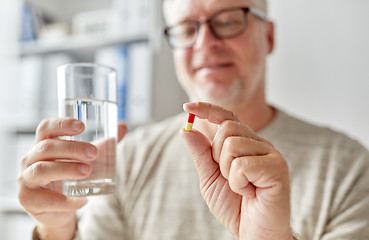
227 23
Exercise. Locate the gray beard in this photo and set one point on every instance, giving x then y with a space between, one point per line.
226 101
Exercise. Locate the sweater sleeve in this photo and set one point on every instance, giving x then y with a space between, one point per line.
349 212
101 219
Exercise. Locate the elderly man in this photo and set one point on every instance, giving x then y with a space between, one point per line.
262 173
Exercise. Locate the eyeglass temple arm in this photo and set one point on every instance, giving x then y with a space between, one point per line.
259 13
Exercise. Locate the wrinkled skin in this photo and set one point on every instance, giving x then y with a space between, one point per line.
45 165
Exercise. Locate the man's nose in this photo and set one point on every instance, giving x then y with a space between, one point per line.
206 38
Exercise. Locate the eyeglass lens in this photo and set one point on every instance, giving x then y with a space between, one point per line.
228 23
224 24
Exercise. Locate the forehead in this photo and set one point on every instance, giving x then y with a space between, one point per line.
178 10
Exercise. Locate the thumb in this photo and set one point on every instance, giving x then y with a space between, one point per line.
200 149
122 130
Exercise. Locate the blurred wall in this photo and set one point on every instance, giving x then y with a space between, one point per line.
320 67
9 71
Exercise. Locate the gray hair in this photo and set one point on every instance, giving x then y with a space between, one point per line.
258 4
261 5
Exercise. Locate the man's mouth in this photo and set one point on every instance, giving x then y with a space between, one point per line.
215 66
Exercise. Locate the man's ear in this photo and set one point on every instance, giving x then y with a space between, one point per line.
270 36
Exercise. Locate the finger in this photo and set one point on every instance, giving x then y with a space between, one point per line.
268 172
60 149
38 201
228 129
200 149
239 181
235 147
211 112
122 130
42 173
56 127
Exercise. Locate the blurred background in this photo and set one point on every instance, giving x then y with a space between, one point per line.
320 67
319 70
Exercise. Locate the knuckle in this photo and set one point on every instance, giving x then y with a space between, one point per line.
228 144
227 124
246 162
61 123
39 169
20 179
252 142
234 116
24 160
238 163
232 144
280 161
43 126
44 146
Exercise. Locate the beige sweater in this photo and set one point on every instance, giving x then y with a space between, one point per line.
158 195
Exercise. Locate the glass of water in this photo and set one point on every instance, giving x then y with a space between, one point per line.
88 92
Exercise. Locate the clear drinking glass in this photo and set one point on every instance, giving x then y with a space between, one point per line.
88 92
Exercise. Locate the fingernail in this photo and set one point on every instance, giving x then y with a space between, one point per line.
91 151
84 169
189 105
77 126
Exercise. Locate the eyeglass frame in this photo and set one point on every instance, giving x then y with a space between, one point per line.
254 11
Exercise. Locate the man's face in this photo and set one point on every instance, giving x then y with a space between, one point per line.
227 72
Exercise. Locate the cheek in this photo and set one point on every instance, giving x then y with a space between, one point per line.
182 63
249 56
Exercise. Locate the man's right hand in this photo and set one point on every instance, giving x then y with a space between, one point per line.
42 170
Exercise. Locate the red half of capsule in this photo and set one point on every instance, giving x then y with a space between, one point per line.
191 118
